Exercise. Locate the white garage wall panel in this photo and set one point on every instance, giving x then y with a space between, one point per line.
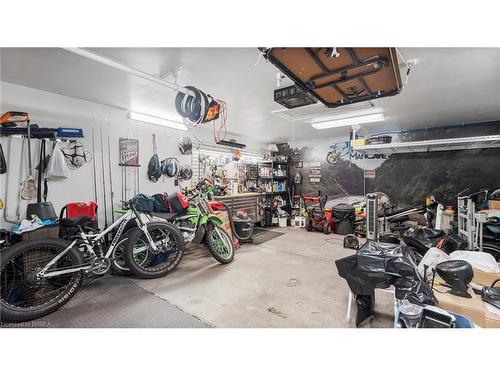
52 110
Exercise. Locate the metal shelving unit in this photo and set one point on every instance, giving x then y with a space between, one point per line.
466 143
273 177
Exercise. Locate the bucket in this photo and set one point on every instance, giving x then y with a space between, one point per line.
343 218
282 222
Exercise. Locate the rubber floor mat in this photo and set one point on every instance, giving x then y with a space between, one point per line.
263 235
117 302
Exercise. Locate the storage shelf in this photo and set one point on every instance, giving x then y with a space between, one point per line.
467 143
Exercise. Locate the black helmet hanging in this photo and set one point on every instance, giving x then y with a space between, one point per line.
185 173
185 145
170 167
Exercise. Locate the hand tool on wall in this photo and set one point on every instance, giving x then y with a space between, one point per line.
11 118
94 177
103 181
28 191
112 197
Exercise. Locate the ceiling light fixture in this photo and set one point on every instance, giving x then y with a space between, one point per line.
348 121
157 121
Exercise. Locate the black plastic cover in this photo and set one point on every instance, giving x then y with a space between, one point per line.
380 265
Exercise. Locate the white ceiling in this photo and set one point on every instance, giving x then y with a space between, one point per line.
447 86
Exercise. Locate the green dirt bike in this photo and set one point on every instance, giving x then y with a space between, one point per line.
197 222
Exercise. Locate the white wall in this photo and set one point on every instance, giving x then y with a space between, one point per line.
52 110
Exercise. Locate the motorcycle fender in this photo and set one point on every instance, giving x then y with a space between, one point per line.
214 219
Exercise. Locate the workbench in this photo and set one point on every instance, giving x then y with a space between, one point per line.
251 203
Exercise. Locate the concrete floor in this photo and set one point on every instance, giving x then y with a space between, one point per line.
289 281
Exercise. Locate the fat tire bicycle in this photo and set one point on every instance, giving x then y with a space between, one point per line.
39 276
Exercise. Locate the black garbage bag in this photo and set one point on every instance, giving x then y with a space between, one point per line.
364 308
380 265
422 239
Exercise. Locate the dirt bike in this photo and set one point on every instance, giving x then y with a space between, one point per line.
39 276
197 222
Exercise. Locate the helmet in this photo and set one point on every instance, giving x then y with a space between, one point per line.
185 145
170 167
185 173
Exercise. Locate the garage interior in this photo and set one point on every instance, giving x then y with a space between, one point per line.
256 187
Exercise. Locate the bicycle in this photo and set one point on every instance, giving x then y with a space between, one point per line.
39 276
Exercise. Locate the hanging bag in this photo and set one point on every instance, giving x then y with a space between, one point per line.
44 210
154 167
57 169
3 163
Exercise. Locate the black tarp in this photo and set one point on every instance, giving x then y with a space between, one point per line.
380 265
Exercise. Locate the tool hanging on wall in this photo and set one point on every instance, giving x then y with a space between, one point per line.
20 182
94 177
28 191
19 186
130 173
11 118
103 179
111 193
43 209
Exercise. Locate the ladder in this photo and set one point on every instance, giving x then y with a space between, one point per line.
470 223
466 222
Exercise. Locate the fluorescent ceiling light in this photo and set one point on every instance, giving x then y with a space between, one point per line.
157 121
347 121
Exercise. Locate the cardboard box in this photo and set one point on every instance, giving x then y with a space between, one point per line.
491 320
485 278
473 308
494 205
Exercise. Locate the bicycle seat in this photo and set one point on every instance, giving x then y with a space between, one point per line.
74 221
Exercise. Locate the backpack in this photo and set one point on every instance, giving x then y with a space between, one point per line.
154 167
159 203
144 203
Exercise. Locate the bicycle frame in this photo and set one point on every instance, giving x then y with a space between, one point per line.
90 239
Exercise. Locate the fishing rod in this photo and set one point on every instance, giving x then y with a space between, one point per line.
103 178
110 176
94 177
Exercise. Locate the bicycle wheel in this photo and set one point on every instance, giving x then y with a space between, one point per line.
23 296
147 263
220 244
